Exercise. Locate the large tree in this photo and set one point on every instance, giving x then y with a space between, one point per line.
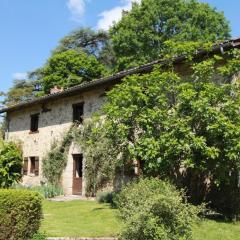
182 128
139 36
91 42
69 68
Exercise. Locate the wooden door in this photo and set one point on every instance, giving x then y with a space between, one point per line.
77 174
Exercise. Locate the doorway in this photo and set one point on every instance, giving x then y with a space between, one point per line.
77 174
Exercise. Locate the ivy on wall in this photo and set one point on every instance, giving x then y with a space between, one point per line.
55 160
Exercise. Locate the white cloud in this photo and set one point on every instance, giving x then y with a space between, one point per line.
19 76
77 9
114 15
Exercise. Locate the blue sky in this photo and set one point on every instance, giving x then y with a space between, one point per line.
30 29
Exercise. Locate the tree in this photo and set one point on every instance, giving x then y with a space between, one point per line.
96 43
139 36
69 68
10 164
185 129
22 90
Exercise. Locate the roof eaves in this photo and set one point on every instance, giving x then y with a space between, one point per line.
226 45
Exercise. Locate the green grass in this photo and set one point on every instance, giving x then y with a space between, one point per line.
213 230
79 219
90 219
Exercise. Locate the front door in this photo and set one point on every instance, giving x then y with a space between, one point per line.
77 174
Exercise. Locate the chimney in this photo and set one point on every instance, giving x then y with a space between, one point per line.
56 89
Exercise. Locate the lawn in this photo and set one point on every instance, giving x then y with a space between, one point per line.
90 219
79 219
212 230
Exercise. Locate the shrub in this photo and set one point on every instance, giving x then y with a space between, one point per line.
20 214
47 191
105 197
39 236
10 164
153 209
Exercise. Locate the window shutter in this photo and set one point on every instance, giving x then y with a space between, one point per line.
36 166
25 166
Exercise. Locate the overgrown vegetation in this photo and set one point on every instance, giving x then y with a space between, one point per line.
101 165
20 214
184 128
10 164
155 210
55 160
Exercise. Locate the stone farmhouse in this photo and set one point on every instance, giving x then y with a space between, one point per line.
38 122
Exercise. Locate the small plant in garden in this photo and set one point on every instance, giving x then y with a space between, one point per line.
105 197
39 236
47 191
154 210
10 164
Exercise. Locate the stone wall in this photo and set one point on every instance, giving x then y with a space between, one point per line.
52 126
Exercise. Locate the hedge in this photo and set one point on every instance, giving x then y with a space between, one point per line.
20 214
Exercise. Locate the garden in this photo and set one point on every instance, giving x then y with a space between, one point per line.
167 149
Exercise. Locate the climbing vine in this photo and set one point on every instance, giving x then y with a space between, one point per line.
55 160
100 155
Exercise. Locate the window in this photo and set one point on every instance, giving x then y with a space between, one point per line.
34 165
34 123
78 112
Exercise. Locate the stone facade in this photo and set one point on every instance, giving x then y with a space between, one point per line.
55 118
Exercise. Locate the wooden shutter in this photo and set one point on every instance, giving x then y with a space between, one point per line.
36 166
25 166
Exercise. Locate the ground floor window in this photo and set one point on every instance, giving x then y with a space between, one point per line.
34 166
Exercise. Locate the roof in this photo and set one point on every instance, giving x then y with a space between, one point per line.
116 78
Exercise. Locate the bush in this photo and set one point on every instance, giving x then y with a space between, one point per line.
39 236
105 197
20 214
153 209
10 164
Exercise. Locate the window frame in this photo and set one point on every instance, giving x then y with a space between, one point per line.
78 119
34 123
34 166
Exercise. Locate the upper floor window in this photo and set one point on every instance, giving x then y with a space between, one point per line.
34 123
78 110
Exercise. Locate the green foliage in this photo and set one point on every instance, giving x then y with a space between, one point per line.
2 129
22 90
153 209
183 127
46 191
105 197
55 160
39 236
96 43
100 155
20 214
139 36
10 164
69 68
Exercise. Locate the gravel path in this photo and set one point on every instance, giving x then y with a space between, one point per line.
68 198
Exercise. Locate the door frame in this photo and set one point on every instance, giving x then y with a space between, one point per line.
77 181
